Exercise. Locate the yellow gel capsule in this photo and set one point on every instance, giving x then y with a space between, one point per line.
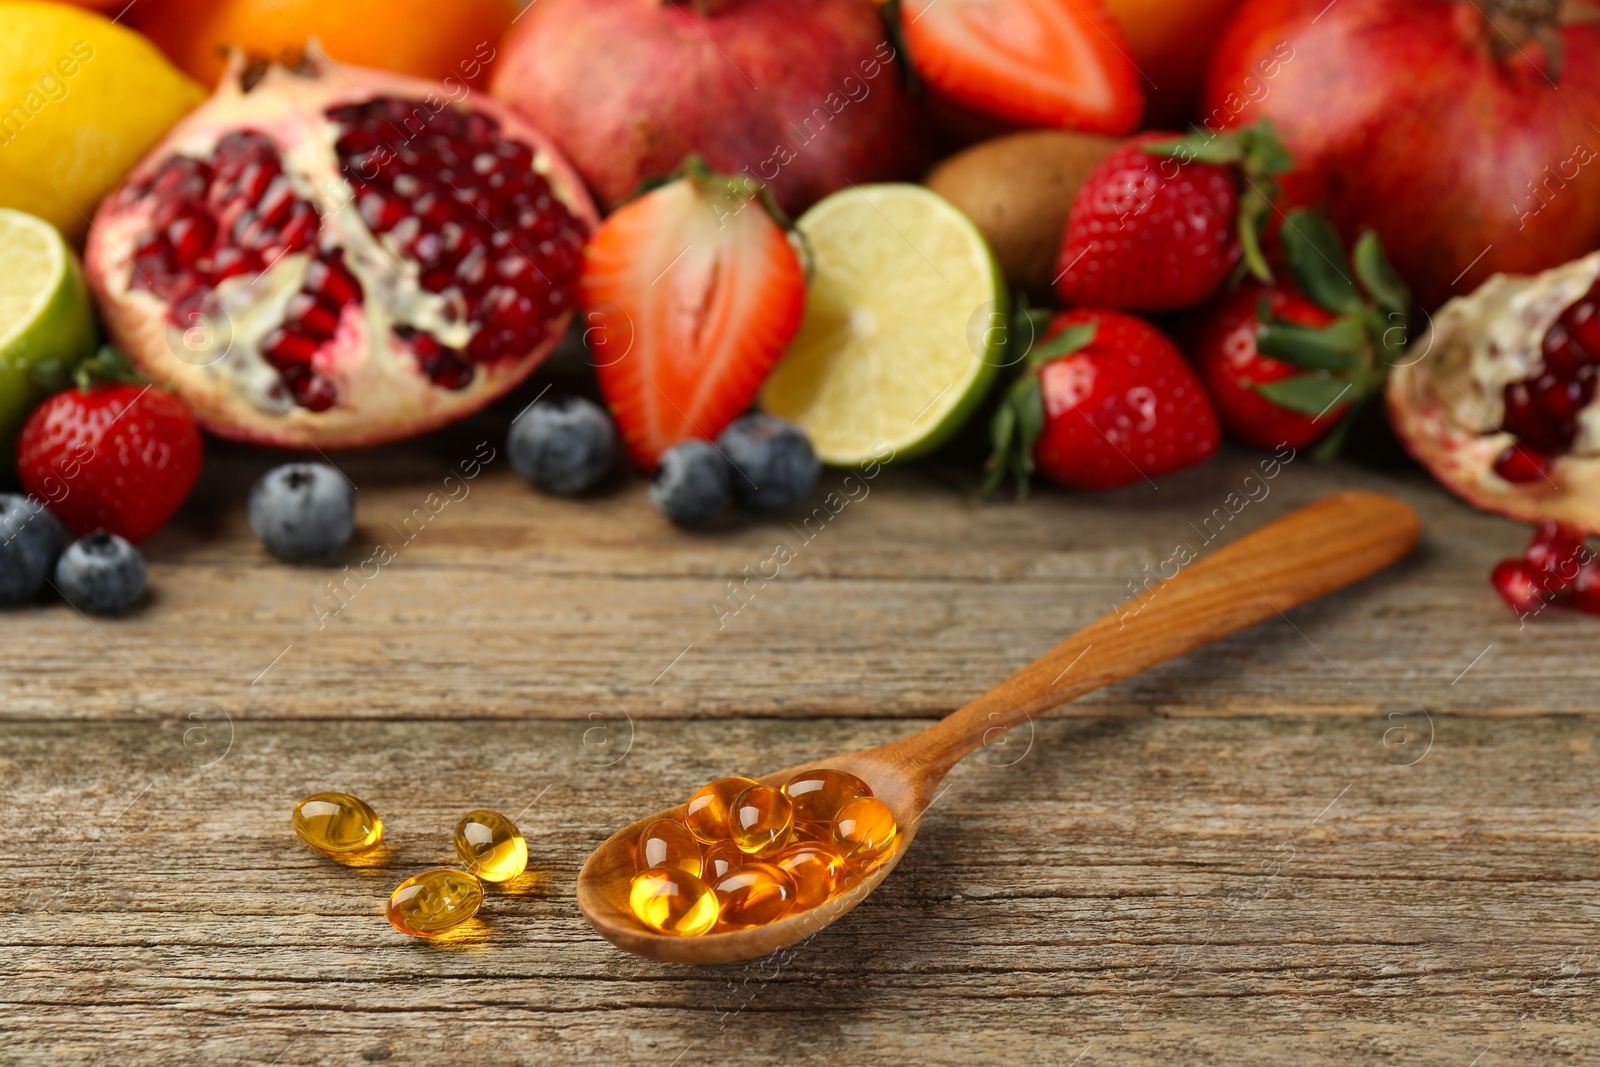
815 869
433 902
668 843
337 824
818 795
864 831
761 819
670 901
753 895
706 814
491 846
720 858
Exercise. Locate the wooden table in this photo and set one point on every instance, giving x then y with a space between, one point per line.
1363 833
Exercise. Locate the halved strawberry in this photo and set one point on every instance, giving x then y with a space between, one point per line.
1033 62
691 294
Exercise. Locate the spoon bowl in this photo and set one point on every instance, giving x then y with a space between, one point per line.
1314 550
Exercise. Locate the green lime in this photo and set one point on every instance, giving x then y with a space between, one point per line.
46 321
905 326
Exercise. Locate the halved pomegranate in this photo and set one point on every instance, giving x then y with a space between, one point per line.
326 258
1500 406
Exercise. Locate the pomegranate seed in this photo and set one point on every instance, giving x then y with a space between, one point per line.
1518 582
311 391
1583 323
1561 398
284 347
190 236
301 229
1519 465
518 155
480 127
1586 589
380 212
1557 550
473 269
181 178
277 202
330 279
437 279
311 317
448 372
230 262
1561 352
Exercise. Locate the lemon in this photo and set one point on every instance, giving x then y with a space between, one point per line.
905 326
81 100
46 322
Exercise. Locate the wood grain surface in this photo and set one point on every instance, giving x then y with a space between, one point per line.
1363 833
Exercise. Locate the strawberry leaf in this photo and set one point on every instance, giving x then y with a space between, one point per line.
1064 343
1317 261
1378 276
1331 348
1020 418
1259 157
1307 394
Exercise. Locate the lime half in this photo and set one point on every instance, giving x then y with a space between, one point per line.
905 326
45 317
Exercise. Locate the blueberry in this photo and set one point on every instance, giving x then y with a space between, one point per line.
30 542
101 573
303 511
563 446
774 467
691 484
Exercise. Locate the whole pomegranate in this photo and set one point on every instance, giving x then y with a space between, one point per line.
803 94
324 259
1459 131
1500 404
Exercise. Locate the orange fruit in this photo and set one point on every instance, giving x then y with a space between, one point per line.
421 37
1172 44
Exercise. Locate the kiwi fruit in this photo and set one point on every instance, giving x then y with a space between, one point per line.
1018 190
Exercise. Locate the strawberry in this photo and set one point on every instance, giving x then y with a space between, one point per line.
113 455
1224 350
1031 62
691 293
1160 223
1104 399
1288 363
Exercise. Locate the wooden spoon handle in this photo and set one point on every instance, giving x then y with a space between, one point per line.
1315 550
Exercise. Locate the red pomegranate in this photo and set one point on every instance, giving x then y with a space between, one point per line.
803 94
1498 399
1461 132
329 258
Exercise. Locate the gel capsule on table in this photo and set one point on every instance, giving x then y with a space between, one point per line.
337 824
434 902
491 846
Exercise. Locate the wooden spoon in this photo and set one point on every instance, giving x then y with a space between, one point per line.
1315 550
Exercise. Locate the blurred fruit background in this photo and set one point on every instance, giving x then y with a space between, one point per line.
1044 227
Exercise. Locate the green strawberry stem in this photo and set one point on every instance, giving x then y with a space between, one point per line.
1258 157
1347 361
106 367
1020 419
